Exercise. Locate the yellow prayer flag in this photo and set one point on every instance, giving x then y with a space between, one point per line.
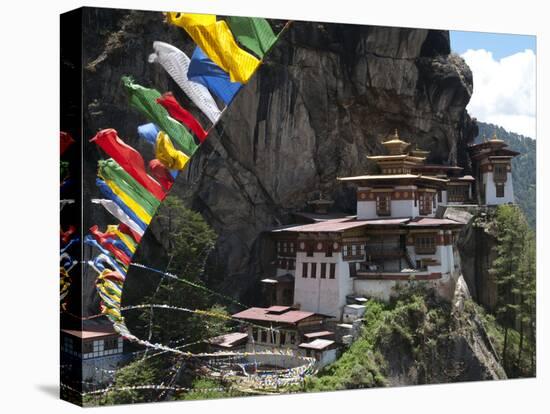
217 42
129 201
169 156
113 228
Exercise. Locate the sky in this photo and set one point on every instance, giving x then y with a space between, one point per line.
504 71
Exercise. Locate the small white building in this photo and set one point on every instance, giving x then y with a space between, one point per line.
492 162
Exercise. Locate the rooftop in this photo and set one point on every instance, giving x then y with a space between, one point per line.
431 222
228 340
317 344
92 332
291 316
319 334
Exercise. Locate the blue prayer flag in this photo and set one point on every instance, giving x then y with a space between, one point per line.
202 70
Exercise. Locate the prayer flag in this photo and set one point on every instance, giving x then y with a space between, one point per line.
145 100
169 156
129 159
217 41
176 63
177 112
254 33
206 72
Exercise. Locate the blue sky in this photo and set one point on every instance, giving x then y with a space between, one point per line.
501 45
504 74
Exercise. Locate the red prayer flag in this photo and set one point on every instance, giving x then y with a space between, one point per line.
129 159
102 240
177 112
129 232
161 173
65 141
67 235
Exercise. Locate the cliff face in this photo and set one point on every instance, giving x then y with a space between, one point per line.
325 98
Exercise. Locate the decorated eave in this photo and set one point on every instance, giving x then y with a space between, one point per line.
437 168
396 179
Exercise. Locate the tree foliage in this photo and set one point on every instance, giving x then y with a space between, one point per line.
514 272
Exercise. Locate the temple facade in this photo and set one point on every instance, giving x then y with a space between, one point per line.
492 162
396 237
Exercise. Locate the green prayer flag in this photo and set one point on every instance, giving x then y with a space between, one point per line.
111 170
145 100
254 33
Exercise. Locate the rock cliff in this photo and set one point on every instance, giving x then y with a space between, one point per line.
325 97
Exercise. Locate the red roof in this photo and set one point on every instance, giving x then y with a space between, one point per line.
263 314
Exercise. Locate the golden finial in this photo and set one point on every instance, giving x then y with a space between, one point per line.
494 138
395 134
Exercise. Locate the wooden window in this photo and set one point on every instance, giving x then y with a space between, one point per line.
323 270
255 334
111 343
304 270
314 270
500 173
332 274
500 190
383 202
329 249
87 347
440 196
309 249
424 244
291 264
283 338
263 336
425 204
292 247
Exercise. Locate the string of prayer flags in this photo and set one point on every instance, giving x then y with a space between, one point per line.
108 241
161 173
124 238
170 157
206 72
120 204
129 159
176 63
121 215
177 112
145 100
124 228
110 170
254 33
217 41
129 200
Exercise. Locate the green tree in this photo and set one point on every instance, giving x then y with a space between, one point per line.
514 274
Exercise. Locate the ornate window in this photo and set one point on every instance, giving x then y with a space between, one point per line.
500 190
500 173
383 204
304 270
424 244
425 204
314 270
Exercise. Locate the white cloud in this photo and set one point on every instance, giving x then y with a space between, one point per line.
504 90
